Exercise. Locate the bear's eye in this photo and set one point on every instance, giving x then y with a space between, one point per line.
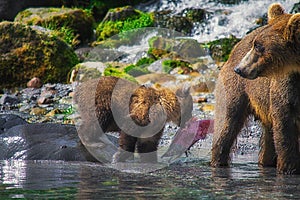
259 48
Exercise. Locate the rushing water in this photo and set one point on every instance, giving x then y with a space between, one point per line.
223 20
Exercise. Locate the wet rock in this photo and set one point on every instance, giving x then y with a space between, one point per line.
194 14
9 120
9 99
164 19
187 49
44 100
27 53
88 70
220 49
34 83
296 8
120 14
46 141
30 94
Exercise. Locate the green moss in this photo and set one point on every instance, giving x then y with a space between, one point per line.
27 53
168 65
72 25
64 32
220 49
135 70
145 61
111 71
108 29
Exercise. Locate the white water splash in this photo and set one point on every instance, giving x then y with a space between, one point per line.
226 20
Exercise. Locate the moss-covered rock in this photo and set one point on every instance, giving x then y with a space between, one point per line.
73 25
120 20
99 8
135 70
86 71
111 71
140 68
183 66
220 49
188 49
195 14
165 19
27 53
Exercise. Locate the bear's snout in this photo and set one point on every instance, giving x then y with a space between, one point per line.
239 72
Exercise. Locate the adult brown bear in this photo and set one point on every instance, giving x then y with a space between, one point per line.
262 78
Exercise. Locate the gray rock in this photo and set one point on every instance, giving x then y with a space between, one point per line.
45 141
9 120
9 99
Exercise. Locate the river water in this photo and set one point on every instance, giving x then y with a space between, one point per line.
187 178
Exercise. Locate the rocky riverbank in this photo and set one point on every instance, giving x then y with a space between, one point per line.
63 46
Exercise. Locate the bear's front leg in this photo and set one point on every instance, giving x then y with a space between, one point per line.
285 110
231 112
147 148
287 145
126 148
267 156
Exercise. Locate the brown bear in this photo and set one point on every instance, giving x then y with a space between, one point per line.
261 78
137 112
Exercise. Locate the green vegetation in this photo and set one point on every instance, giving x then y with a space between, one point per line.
64 32
31 53
220 49
111 71
109 28
72 25
168 65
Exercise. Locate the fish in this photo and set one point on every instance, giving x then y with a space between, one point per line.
194 130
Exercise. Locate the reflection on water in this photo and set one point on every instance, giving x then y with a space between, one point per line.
194 179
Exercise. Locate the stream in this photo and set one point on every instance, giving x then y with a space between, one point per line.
186 178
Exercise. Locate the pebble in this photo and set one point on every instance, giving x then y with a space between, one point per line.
35 83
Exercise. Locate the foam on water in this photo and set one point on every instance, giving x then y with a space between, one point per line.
226 20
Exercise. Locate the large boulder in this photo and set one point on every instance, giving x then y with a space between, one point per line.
72 23
26 53
44 141
9 9
8 121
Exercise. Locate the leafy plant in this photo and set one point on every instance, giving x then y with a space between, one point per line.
64 32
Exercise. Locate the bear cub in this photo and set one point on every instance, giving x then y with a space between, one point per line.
139 114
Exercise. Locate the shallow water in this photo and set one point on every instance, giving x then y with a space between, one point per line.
189 180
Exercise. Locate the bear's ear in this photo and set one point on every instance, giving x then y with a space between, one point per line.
292 30
274 11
